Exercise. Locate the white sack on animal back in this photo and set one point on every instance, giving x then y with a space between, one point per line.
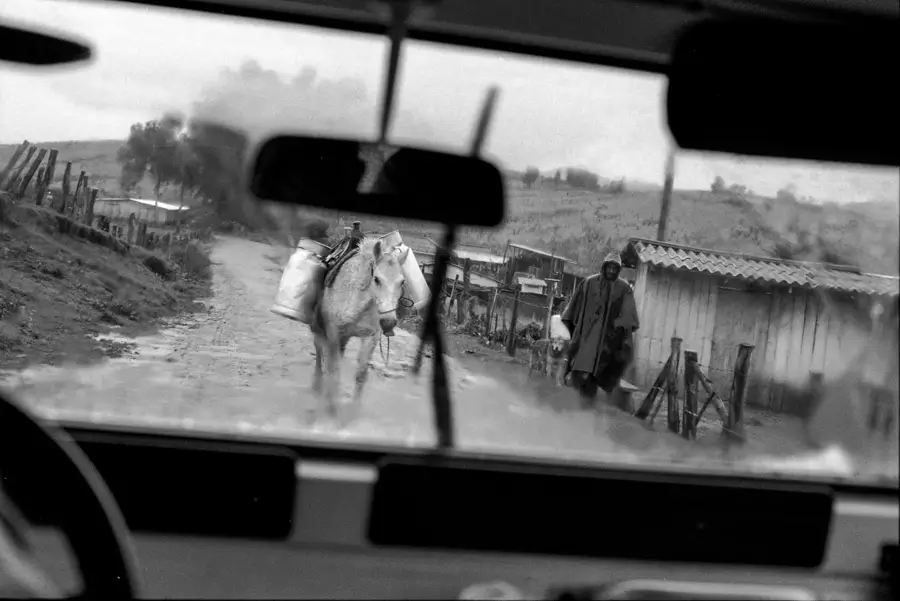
558 330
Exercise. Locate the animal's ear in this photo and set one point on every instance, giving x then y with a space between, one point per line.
403 255
376 251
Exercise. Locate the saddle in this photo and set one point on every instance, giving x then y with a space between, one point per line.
343 252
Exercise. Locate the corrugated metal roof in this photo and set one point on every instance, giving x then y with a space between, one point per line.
479 256
775 271
144 201
540 252
529 281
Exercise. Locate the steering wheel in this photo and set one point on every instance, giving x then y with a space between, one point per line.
52 480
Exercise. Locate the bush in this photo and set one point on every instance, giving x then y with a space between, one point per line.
158 266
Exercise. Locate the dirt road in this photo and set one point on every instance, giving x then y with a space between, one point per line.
239 368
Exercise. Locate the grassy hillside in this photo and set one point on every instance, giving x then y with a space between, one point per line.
584 225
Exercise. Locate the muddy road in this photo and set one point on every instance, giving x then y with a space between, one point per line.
238 368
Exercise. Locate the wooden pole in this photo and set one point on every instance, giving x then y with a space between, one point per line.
689 423
738 391
82 198
452 294
511 338
490 313
72 208
45 181
38 183
713 397
17 172
460 308
666 197
26 179
672 384
644 410
89 208
60 204
12 161
551 293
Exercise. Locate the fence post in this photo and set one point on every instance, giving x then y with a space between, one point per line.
460 309
60 204
551 293
12 162
73 208
644 410
672 385
689 423
38 183
452 294
89 209
26 179
738 390
511 334
490 314
14 177
44 182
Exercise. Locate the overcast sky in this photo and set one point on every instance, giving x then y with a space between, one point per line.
261 76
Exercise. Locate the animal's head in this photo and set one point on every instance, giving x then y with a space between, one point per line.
557 345
386 284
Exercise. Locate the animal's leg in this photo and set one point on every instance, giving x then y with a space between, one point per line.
531 362
332 371
317 371
548 361
344 342
366 348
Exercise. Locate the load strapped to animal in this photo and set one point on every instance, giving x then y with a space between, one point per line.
313 267
352 290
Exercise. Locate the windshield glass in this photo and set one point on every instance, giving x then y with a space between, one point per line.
640 304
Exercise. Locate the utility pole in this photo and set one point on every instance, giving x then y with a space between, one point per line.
666 196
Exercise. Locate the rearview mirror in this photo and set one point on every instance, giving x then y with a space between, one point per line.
360 177
786 90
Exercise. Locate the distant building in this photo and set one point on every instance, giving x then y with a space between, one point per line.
145 211
540 265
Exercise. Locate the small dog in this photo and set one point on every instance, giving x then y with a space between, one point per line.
548 357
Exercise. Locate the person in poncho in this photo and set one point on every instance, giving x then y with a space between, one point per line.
602 318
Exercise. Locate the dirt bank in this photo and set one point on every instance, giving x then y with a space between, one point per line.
62 284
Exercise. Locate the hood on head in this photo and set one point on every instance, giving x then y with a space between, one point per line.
612 257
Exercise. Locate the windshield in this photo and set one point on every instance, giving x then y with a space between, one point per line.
640 304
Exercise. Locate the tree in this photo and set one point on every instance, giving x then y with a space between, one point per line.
718 185
531 176
556 179
152 148
582 178
786 194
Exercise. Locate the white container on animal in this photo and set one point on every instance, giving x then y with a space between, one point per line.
301 281
558 330
392 239
416 287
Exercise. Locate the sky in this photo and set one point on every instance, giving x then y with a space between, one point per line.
265 77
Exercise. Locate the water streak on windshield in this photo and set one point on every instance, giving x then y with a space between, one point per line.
751 325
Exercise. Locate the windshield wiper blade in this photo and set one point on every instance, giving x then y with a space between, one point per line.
432 332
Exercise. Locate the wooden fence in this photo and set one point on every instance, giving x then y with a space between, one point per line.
27 168
27 172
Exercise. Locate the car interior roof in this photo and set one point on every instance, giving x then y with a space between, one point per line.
638 34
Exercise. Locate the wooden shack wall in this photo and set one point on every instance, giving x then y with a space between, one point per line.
795 332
